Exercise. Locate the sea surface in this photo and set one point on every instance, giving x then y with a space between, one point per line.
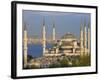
36 50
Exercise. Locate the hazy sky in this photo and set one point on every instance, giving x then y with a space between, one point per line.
64 22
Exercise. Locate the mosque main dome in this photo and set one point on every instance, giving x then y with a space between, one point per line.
69 36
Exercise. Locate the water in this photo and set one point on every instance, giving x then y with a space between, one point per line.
36 50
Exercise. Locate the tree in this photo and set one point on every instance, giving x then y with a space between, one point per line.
85 61
54 65
64 62
29 58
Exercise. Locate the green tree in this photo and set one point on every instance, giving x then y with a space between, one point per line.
85 61
64 62
29 58
55 65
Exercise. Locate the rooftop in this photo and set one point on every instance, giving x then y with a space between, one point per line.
69 36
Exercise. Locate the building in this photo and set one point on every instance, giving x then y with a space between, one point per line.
25 46
67 45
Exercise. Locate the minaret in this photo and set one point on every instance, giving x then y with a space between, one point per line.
44 38
89 38
54 32
85 39
25 46
81 39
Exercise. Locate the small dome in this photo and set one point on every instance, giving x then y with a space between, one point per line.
69 36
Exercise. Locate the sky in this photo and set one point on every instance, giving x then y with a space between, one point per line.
64 22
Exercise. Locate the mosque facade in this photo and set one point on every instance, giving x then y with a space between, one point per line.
67 45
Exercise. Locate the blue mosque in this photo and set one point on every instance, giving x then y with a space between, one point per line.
68 45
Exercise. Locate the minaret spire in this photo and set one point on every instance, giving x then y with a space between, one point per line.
25 46
85 37
44 37
81 38
54 32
